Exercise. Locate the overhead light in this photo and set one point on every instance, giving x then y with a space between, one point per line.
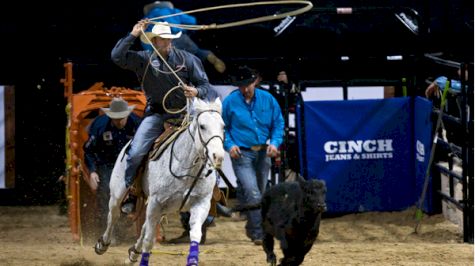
394 57
344 58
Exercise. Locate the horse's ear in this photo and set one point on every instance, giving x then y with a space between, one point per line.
198 103
218 103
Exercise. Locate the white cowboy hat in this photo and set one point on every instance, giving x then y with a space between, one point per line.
118 109
160 29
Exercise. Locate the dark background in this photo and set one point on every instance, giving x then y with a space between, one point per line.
39 37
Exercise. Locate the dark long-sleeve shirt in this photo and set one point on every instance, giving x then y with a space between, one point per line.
106 141
156 77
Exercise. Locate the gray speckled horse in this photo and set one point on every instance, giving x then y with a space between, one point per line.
185 164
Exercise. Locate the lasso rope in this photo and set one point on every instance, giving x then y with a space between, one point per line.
308 6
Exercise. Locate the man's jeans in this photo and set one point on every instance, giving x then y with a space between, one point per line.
102 194
252 172
150 128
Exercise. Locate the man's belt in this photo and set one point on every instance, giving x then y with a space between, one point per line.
255 148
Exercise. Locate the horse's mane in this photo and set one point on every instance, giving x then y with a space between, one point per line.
201 105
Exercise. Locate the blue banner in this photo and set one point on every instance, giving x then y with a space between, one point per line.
364 150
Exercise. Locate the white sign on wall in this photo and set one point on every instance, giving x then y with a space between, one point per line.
365 92
322 94
222 91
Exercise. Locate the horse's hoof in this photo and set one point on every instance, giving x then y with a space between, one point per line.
133 254
101 247
192 261
271 260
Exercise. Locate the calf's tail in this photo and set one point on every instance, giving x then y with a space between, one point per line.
225 211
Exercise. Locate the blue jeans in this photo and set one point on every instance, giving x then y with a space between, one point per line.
102 194
252 172
150 128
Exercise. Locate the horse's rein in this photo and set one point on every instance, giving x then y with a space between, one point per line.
203 143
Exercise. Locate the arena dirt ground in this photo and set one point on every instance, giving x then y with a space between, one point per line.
40 236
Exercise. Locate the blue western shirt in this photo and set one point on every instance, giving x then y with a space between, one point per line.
252 124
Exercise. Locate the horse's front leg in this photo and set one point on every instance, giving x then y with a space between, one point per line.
149 228
103 242
134 249
198 212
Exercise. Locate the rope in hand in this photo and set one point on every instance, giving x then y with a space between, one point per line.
181 84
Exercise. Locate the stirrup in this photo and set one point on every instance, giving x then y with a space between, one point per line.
129 205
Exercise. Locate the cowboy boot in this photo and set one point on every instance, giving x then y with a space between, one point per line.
216 62
223 210
128 206
185 236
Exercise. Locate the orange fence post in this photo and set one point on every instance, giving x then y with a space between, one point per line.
78 109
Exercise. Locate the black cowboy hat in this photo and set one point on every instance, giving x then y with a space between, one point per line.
244 76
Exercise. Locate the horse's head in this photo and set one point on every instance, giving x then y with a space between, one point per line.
210 130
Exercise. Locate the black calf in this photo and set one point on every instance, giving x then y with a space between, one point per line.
291 212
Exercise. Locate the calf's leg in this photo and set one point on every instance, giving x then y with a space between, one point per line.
294 254
268 245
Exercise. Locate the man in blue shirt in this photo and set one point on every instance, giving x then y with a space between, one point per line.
254 130
108 133
453 103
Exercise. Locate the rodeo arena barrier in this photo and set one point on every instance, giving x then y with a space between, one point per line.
81 109
455 168
389 155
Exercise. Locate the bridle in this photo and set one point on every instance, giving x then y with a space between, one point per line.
204 160
203 142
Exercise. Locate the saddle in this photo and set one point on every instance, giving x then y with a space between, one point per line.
218 197
162 142
172 130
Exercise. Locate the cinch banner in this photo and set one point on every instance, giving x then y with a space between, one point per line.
365 150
